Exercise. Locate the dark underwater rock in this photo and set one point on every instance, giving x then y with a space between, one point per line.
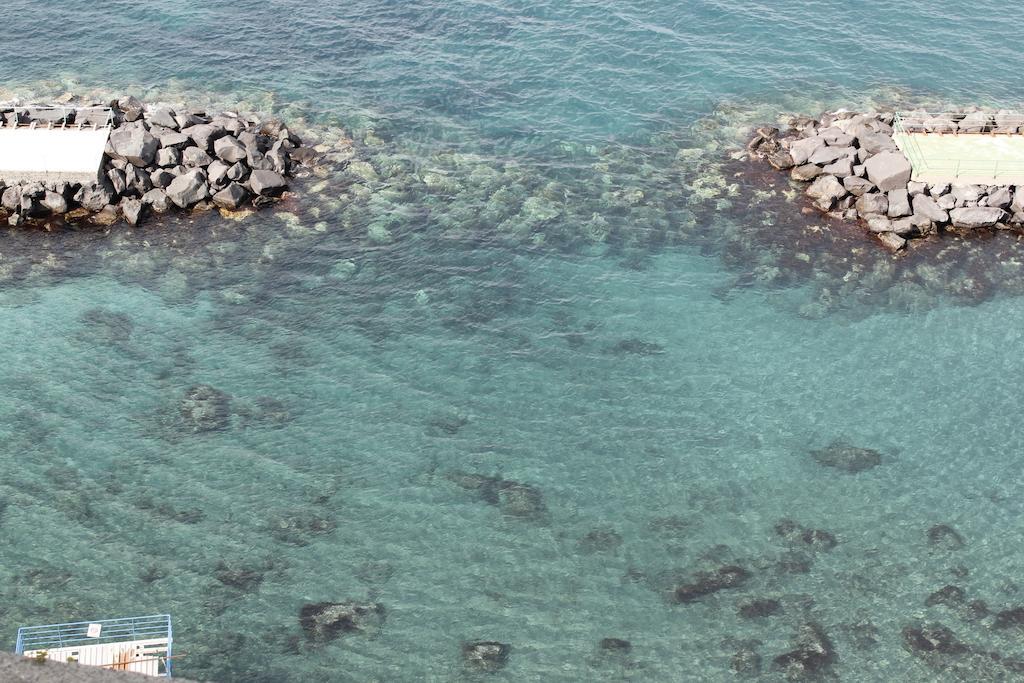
615 645
511 497
600 540
446 424
761 607
325 621
1013 617
931 638
847 458
746 662
243 578
485 655
815 539
297 528
637 347
949 596
707 583
812 655
206 409
945 537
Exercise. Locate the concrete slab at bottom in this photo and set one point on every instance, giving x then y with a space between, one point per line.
967 159
18 669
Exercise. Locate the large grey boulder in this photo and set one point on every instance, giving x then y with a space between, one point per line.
189 188
240 171
1007 121
11 198
137 180
204 134
231 197
801 150
196 157
162 117
892 241
157 200
874 143
161 177
1001 197
840 168
116 178
939 125
828 155
835 137
779 160
857 186
966 194
927 208
975 122
131 107
54 202
888 170
270 183
134 145
878 223
971 217
899 203
804 173
132 209
230 150
1017 205
168 156
95 196
872 203
186 119
174 140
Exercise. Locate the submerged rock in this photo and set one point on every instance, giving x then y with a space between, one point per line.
615 645
206 409
325 621
485 655
637 347
511 497
931 638
847 458
707 583
813 654
816 539
746 662
761 607
945 537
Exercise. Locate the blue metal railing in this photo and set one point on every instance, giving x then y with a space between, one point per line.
53 636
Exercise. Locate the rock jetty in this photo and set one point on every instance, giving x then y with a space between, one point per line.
160 159
854 171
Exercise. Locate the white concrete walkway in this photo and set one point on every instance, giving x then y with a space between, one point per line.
51 155
965 159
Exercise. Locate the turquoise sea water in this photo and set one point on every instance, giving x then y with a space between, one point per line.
547 271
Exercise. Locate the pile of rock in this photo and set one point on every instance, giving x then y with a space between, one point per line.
158 159
856 172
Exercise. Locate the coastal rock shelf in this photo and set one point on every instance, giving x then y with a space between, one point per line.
854 171
159 159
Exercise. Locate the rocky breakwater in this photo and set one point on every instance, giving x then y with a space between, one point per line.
853 170
160 159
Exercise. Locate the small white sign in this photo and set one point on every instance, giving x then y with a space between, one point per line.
94 630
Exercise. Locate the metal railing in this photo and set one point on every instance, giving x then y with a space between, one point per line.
54 636
994 123
64 118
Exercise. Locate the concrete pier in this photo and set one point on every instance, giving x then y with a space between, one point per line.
964 159
51 155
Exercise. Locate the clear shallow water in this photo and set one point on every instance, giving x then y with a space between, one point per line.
661 393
